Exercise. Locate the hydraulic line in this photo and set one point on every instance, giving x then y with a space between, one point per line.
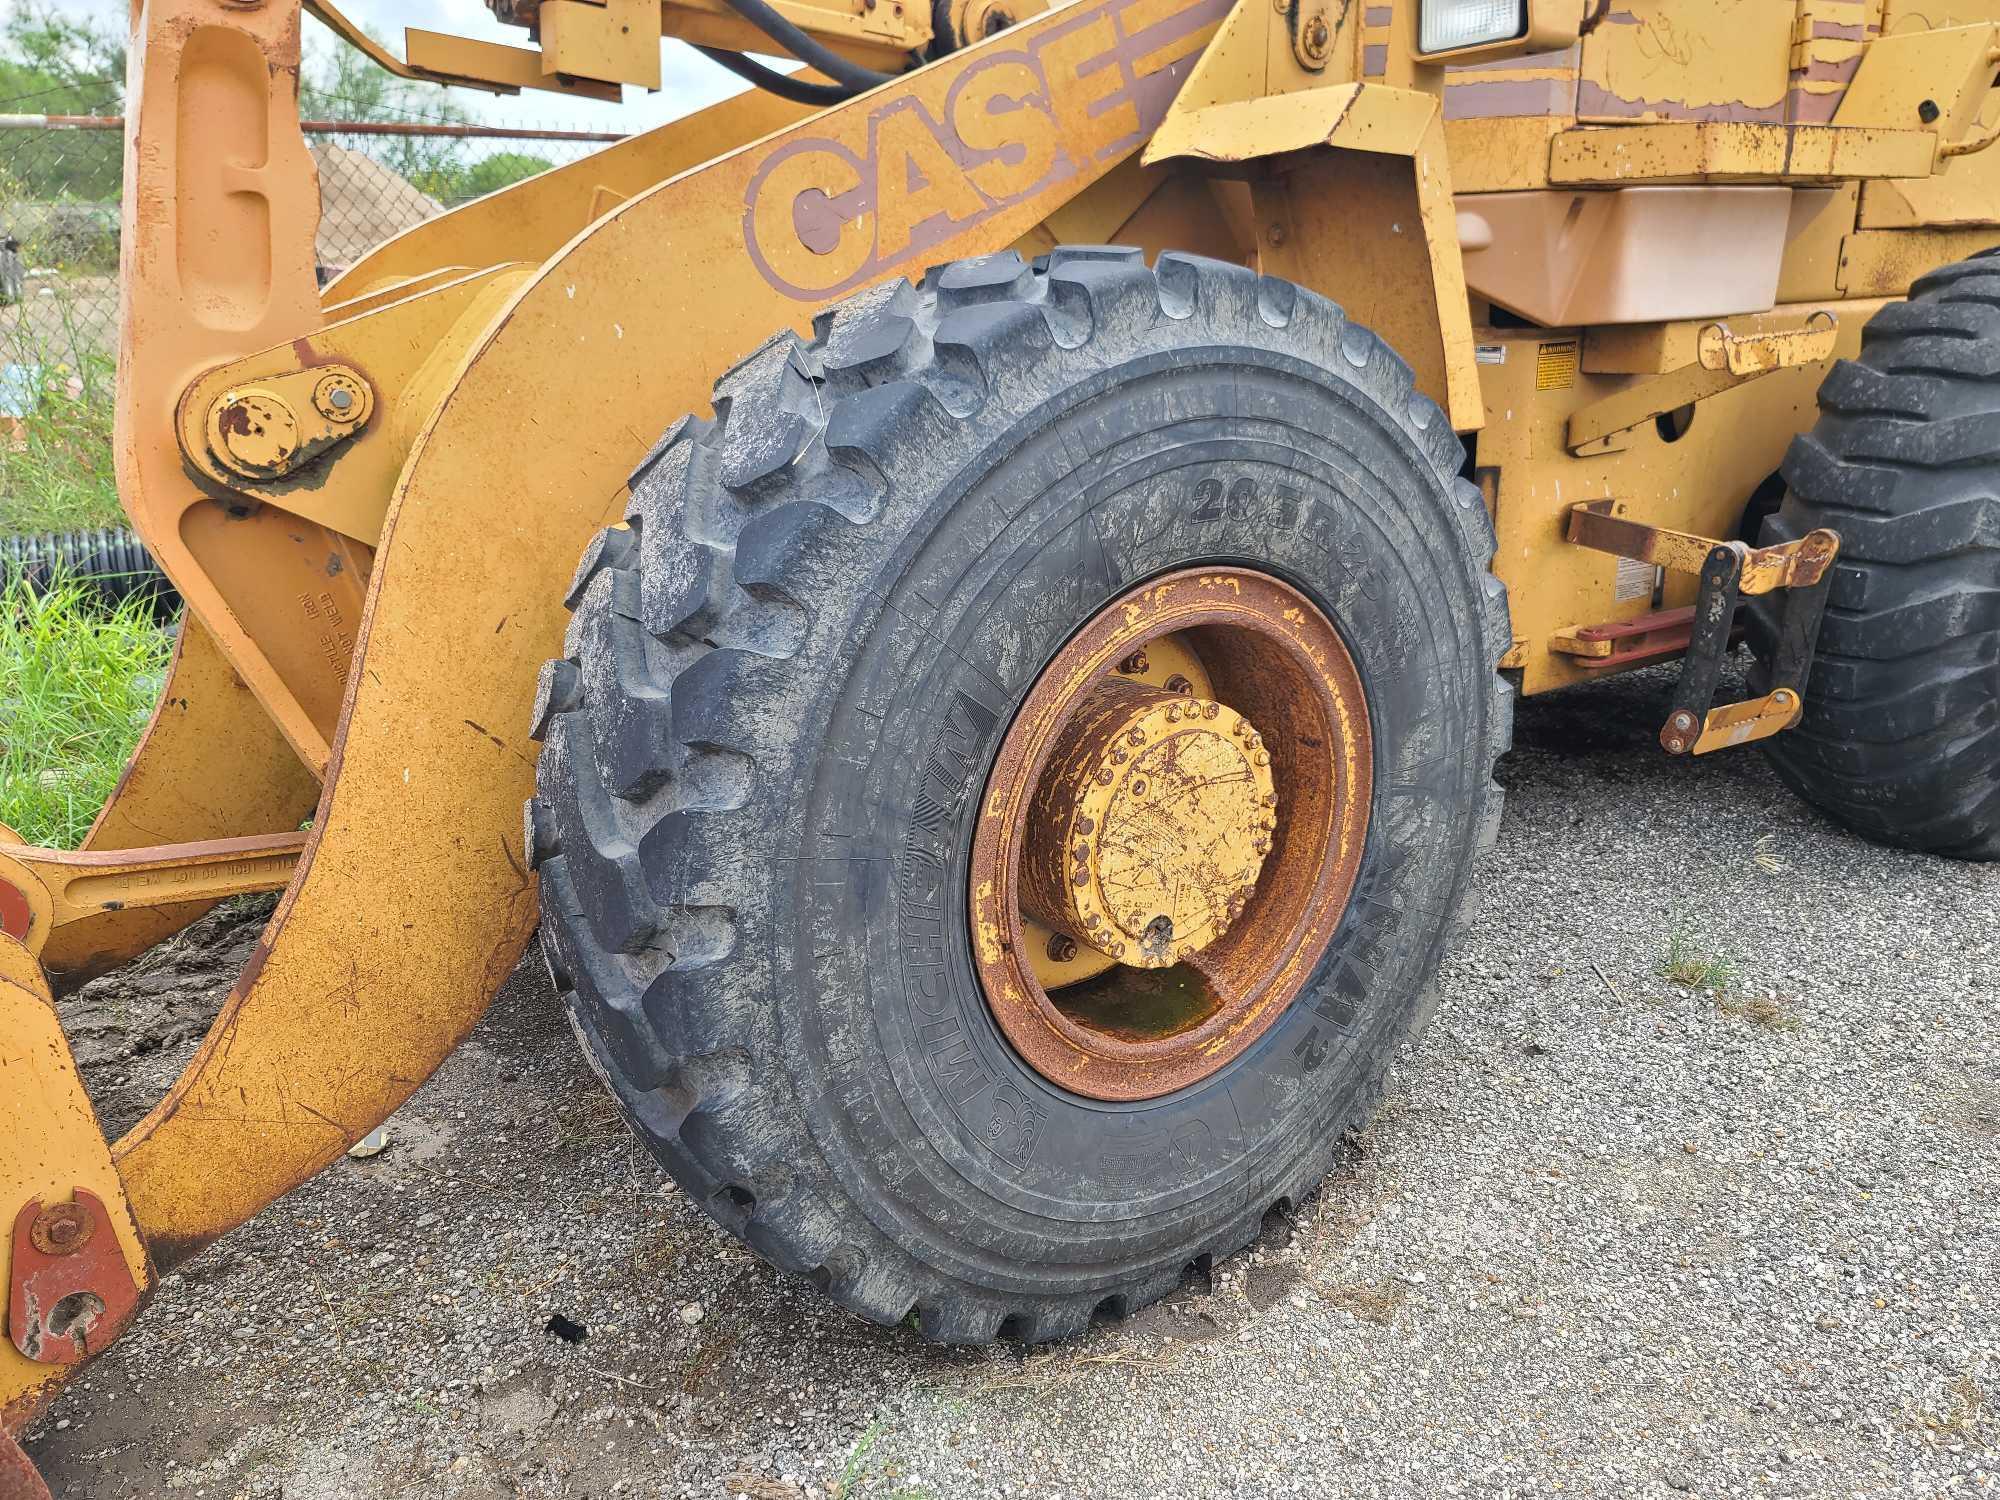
808 51
798 90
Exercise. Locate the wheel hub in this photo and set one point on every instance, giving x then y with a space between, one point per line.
1150 826
1170 832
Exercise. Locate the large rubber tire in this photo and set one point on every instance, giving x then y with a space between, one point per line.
785 685
1900 739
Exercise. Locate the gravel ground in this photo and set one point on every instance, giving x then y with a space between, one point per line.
1611 1234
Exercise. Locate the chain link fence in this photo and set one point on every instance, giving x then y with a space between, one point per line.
60 181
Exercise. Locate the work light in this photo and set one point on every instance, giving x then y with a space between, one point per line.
1448 25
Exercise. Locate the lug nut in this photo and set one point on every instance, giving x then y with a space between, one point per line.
1062 947
1179 684
1134 664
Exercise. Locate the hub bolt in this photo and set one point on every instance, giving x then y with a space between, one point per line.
61 1229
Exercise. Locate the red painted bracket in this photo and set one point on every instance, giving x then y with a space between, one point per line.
72 1291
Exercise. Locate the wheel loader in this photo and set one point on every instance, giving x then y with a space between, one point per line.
973 590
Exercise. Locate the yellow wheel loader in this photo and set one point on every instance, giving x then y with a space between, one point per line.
1065 500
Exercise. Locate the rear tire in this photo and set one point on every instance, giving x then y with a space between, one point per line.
1900 739
788 679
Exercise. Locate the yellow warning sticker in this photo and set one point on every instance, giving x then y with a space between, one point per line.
1555 365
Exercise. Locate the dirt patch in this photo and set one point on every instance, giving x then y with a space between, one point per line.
133 1030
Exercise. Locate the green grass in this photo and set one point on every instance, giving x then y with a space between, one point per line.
56 473
79 683
1685 964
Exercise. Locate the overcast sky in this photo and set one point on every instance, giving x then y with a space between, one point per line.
690 80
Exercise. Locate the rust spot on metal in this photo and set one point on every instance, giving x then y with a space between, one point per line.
1284 688
18 1477
71 1291
61 1229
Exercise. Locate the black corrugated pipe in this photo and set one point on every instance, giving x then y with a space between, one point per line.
112 561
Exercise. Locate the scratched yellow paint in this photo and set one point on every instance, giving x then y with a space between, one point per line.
1687 60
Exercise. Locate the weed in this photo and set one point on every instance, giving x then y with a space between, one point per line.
1058 1369
80 684
1966 1410
657 1252
588 1120
56 409
56 469
1685 964
848 1485
758 1487
854 1480
1372 1304
1770 1012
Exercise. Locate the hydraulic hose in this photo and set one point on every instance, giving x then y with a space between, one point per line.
798 90
111 561
808 51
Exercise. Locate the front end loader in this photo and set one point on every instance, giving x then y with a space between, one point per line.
1065 499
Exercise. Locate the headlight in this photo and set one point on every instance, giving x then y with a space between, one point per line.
1447 25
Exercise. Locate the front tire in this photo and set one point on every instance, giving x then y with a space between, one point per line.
786 687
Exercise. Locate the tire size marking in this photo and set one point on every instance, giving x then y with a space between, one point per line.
1181 1156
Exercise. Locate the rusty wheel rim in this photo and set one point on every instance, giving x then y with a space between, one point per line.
1187 786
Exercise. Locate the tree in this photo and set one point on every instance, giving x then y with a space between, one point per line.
52 63
345 84
490 174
